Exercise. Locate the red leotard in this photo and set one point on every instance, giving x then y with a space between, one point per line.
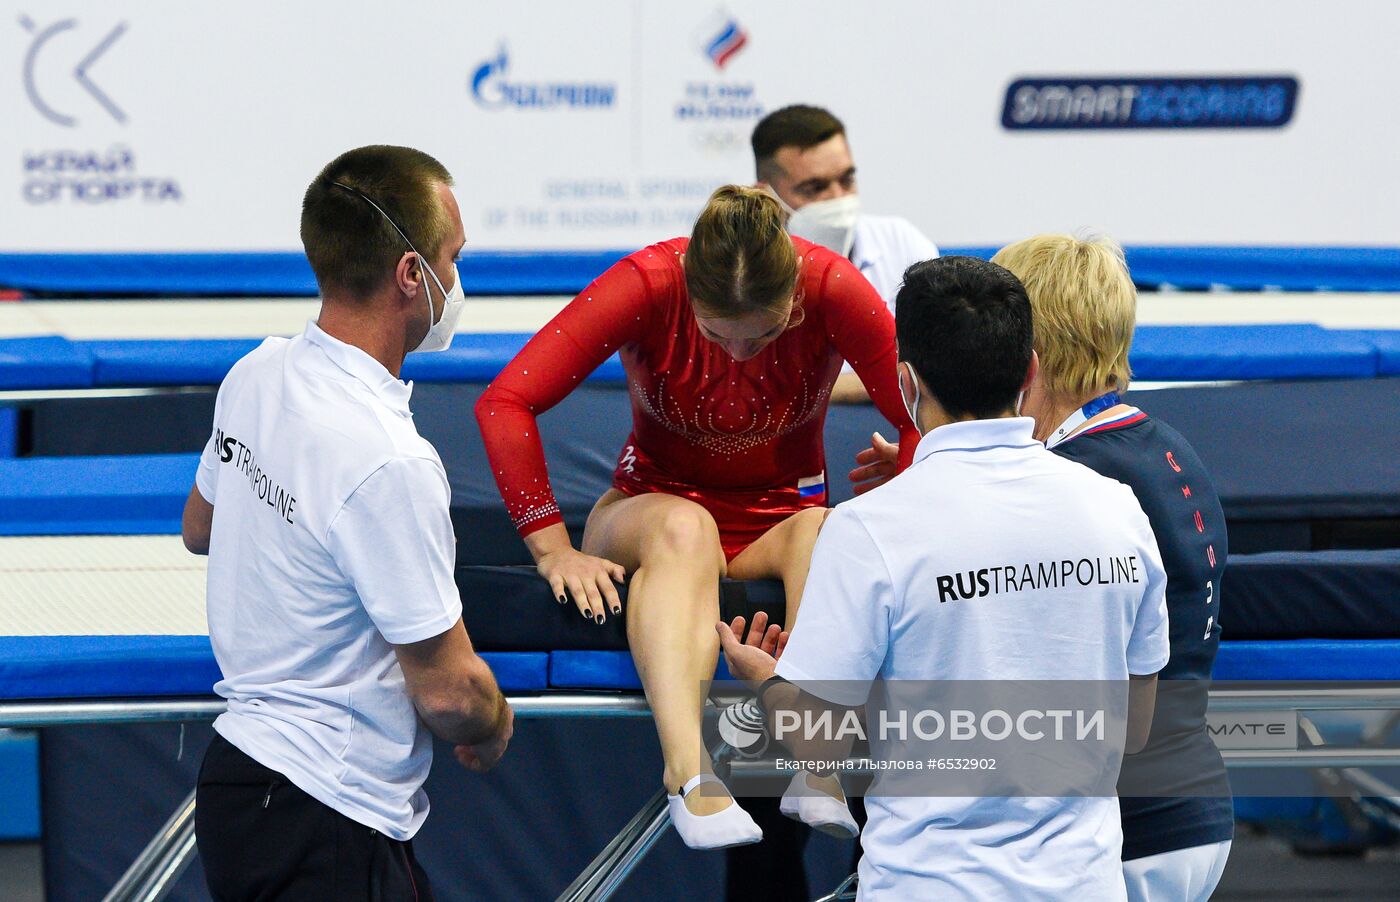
742 439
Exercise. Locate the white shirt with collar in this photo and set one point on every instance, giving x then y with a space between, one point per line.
331 539
885 246
878 604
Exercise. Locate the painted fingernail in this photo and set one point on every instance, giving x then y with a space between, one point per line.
599 618
617 610
560 599
585 613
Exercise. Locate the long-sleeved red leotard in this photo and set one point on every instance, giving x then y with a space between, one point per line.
743 439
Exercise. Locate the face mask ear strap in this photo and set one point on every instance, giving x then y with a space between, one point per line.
913 409
422 261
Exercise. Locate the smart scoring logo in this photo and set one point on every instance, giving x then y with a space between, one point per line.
1265 101
491 89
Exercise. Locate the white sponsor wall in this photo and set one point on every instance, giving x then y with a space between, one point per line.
169 125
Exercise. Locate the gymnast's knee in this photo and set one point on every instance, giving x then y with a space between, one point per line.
684 531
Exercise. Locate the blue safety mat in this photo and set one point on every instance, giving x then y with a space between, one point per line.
1159 353
601 670
40 667
36 667
1387 345
1297 660
565 272
128 495
47 361
19 786
1218 353
169 361
480 357
1309 660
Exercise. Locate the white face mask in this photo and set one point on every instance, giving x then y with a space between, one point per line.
439 335
912 409
830 223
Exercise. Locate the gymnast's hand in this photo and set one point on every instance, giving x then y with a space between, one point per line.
752 660
588 579
878 464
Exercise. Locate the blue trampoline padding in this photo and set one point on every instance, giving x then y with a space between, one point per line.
601 670
19 786
36 667
1309 660
1289 268
1387 346
565 272
1159 353
46 361
273 273
473 357
1275 351
1298 660
166 361
519 671
480 357
39 667
9 431
125 495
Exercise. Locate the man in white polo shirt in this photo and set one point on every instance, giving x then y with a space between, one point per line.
895 593
332 607
801 154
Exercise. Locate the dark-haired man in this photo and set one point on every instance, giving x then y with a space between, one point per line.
801 154
332 607
878 603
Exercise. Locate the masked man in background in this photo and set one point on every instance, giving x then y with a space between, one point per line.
802 157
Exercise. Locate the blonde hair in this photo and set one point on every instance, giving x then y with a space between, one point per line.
740 258
1083 307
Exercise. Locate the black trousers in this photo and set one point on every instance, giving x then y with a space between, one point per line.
262 839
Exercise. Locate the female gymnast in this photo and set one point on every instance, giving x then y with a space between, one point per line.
731 341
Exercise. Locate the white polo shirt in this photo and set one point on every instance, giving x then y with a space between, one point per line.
885 246
978 495
331 539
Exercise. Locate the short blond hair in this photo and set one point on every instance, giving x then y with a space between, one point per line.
1084 306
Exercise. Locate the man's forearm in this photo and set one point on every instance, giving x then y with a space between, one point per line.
780 699
471 724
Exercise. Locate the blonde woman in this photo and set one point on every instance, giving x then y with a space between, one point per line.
1084 307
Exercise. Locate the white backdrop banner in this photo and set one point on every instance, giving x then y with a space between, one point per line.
166 125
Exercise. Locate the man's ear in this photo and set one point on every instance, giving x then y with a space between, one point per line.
906 381
1032 371
408 275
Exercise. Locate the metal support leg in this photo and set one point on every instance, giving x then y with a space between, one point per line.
156 870
845 892
606 872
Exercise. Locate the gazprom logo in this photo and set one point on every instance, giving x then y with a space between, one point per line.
1265 101
491 88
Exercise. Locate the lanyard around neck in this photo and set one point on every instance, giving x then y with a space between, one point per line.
1081 416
